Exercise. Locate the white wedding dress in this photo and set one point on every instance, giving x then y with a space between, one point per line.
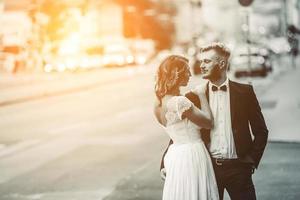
189 171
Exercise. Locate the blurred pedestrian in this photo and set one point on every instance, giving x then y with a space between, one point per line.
188 170
293 40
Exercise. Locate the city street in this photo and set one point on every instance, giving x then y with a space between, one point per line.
80 144
104 141
77 90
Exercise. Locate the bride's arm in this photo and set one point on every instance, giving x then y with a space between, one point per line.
205 108
203 117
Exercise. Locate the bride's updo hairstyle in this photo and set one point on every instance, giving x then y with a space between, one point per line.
169 74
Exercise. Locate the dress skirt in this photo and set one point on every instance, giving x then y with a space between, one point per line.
189 173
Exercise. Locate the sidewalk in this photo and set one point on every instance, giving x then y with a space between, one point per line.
276 178
280 104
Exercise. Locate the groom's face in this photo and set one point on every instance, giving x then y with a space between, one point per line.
210 65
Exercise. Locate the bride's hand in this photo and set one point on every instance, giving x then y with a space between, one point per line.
200 89
163 173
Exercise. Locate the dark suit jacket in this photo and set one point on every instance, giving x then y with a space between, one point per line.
245 113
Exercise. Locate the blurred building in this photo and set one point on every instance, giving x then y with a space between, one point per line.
150 19
198 21
16 29
228 21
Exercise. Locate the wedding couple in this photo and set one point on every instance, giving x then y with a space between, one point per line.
217 131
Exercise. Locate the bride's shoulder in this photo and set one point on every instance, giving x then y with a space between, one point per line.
177 102
174 99
181 99
169 102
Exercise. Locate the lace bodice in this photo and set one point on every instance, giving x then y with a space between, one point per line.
180 130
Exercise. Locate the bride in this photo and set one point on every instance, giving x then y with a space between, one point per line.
189 171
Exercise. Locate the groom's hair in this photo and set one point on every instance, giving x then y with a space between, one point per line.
219 47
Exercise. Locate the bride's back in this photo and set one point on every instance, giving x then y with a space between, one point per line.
180 130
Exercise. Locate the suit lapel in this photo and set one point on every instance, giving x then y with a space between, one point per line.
233 101
207 92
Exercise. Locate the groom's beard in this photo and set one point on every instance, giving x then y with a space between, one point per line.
214 74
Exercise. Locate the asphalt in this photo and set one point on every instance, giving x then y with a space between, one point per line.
22 88
277 177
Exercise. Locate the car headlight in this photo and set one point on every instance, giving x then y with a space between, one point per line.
130 59
261 60
48 67
120 60
141 60
105 60
61 67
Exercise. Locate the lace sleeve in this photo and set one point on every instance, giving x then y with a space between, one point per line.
182 105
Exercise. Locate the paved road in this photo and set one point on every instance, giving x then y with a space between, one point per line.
277 177
81 145
78 146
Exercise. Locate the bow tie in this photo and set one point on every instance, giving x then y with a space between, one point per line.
223 88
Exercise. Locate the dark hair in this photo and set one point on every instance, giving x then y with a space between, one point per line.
219 47
168 74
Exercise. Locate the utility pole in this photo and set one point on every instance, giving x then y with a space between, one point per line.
246 3
248 40
285 18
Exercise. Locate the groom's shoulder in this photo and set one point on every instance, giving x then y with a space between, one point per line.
193 98
241 86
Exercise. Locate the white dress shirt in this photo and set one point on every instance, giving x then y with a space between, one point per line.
222 142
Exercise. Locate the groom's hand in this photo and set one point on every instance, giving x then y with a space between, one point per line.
163 173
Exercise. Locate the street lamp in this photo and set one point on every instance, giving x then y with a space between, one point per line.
245 3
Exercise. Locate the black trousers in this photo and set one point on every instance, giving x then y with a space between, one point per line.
236 178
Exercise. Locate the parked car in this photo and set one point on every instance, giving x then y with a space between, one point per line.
12 59
7 62
143 50
260 65
117 55
72 63
278 45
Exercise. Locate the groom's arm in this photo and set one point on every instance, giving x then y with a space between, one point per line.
258 127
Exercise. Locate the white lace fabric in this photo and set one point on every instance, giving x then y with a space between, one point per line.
188 166
176 107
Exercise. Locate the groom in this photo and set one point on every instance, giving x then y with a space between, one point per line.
235 148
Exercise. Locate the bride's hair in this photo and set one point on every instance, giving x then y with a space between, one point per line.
169 74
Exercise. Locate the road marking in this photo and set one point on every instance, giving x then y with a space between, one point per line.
32 158
69 195
6 150
69 128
